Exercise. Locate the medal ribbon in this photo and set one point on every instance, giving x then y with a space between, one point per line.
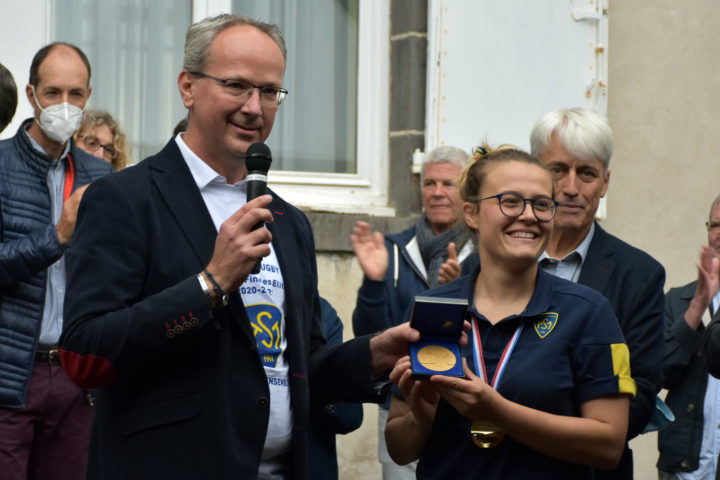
480 361
69 179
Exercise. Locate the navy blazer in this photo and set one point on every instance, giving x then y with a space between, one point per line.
184 394
633 282
328 420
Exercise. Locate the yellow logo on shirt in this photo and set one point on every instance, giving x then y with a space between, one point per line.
546 323
266 321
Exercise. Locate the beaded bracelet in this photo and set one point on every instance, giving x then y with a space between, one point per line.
219 292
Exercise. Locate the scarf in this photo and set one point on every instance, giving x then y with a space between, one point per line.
433 248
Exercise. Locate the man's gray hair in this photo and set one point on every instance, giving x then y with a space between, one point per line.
200 36
445 154
582 132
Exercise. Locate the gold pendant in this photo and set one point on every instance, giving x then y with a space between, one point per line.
486 434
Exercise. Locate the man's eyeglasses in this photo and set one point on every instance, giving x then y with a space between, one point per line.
270 97
513 205
93 144
712 225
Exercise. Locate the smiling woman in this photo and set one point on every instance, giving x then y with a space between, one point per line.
547 380
509 232
100 135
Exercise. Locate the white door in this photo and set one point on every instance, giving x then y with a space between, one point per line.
494 67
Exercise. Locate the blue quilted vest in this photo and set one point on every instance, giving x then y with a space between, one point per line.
28 246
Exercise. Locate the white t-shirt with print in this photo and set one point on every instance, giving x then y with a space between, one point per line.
263 295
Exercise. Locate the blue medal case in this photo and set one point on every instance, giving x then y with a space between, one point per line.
440 322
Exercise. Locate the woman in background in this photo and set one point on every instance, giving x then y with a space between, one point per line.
547 393
100 135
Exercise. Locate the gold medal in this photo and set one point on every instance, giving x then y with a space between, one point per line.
486 434
436 358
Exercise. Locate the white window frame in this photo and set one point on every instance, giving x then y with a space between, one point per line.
367 190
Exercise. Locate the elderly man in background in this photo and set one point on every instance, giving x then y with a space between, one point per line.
690 445
404 264
576 145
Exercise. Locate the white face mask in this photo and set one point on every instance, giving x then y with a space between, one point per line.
59 121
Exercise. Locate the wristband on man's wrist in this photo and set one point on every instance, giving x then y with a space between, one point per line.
206 289
222 297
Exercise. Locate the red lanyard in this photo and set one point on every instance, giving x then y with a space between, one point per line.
69 179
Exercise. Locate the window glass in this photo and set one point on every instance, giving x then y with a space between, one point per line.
135 49
316 126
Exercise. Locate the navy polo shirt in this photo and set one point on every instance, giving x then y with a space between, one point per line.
571 350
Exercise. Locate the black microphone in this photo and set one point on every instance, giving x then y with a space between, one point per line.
257 162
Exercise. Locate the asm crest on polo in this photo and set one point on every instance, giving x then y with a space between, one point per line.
545 324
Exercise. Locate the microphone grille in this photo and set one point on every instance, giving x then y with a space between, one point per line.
258 157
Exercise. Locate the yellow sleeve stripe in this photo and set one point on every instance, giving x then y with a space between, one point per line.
621 368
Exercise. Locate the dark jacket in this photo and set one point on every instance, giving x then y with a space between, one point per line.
29 245
711 346
633 282
710 350
686 380
328 420
184 394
